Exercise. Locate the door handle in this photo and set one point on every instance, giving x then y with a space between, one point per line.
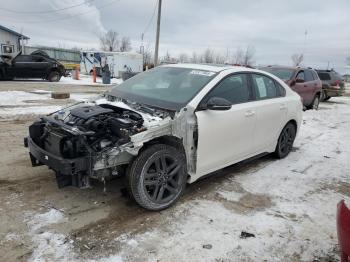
249 113
283 106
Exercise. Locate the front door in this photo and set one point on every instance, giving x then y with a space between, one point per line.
38 67
226 137
21 66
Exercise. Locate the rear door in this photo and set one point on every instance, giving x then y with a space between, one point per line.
312 84
225 137
303 88
271 111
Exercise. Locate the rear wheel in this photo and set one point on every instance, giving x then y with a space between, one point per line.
285 141
316 102
157 177
54 76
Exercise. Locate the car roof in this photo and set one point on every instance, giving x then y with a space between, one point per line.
210 67
288 67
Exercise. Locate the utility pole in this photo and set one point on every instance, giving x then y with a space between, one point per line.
142 50
158 32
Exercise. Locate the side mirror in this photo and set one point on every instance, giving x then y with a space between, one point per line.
218 103
299 80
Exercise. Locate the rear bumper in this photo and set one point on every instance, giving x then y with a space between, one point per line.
334 91
62 166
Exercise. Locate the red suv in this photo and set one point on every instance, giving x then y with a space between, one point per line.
304 81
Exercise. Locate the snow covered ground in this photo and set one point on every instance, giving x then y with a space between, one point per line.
289 206
87 80
20 104
83 80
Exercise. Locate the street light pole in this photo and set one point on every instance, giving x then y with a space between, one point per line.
158 32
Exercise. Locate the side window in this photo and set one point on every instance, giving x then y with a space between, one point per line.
281 89
301 75
308 76
264 87
22 58
315 75
38 59
234 88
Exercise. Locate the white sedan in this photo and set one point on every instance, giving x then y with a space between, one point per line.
167 127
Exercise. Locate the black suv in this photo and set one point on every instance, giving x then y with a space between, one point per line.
31 66
332 84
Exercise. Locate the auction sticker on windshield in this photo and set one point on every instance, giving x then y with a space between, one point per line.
202 73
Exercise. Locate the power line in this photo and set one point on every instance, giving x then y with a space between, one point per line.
46 11
67 17
150 21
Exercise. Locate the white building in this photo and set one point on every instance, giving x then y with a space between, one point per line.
118 62
10 41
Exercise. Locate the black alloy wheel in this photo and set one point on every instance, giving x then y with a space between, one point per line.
285 141
157 177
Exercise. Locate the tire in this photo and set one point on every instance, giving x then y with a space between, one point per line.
157 177
285 141
326 98
54 76
323 96
315 102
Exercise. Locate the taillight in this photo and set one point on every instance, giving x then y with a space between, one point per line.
336 83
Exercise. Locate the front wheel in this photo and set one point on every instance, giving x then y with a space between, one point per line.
285 141
157 177
54 76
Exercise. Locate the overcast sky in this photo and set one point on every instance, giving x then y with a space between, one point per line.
276 28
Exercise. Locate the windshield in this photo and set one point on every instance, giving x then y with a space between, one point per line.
283 73
164 87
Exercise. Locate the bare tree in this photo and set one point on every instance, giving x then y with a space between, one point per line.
248 56
167 57
219 59
208 56
147 56
109 41
237 57
183 58
125 44
195 58
297 59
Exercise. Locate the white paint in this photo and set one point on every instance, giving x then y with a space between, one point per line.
246 130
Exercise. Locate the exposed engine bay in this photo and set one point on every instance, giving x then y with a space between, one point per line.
92 139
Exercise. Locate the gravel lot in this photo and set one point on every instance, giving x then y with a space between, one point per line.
289 205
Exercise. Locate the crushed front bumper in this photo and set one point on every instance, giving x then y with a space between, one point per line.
68 171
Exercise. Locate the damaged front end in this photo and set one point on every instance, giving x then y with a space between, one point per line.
94 139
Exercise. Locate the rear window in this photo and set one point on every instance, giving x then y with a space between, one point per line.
324 76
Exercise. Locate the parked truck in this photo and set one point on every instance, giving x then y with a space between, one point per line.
118 62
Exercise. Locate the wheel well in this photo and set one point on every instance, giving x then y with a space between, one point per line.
294 123
167 140
52 70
